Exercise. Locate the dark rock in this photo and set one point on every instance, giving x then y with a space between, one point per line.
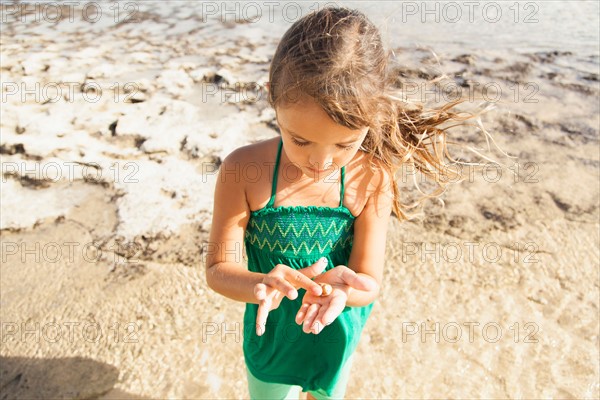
468 59
12 149
547 56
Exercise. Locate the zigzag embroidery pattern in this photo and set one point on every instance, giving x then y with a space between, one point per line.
291 227
262 235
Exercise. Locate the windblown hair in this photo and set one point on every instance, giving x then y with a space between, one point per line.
336 57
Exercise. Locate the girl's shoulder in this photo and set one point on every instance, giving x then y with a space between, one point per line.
250 168
255 152
365 179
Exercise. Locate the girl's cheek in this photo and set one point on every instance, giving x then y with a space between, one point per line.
346 159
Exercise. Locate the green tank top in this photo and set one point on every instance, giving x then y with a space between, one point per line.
298 236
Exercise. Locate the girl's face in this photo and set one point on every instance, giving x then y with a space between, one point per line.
313 141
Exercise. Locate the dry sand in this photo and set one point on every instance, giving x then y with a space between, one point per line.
106 206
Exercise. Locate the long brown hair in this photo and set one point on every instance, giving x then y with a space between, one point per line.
336 56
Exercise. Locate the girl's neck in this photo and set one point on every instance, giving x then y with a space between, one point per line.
293 174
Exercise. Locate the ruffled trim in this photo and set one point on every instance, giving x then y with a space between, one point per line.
302 209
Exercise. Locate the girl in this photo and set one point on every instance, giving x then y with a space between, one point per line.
315 225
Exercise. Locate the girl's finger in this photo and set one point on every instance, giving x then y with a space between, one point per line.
283 286
301 280
260 291
261 316
315 269
309 319
301 313
304 280
318 325
331 312
360 282
322 313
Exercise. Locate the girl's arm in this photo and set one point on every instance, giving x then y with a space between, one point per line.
225 271
370 232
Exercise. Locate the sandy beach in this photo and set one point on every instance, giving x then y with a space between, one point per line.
113 126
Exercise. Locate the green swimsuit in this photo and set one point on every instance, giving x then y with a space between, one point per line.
298 236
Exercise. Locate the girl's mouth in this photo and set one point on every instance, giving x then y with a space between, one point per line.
318 171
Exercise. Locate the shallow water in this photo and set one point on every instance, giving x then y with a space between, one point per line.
502 25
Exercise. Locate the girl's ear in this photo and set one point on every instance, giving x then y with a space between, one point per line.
267 86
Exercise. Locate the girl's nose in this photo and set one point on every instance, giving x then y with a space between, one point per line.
321 161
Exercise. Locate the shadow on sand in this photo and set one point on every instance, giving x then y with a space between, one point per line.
59 378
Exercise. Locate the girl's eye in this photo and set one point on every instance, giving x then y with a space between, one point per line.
301 144
297 143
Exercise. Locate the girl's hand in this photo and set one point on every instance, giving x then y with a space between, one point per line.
282 281
318 311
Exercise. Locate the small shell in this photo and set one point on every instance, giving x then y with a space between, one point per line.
326 289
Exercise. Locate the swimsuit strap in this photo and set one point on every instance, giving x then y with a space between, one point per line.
342 188
274 186
275 174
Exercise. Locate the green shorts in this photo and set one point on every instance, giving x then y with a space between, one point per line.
260 390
